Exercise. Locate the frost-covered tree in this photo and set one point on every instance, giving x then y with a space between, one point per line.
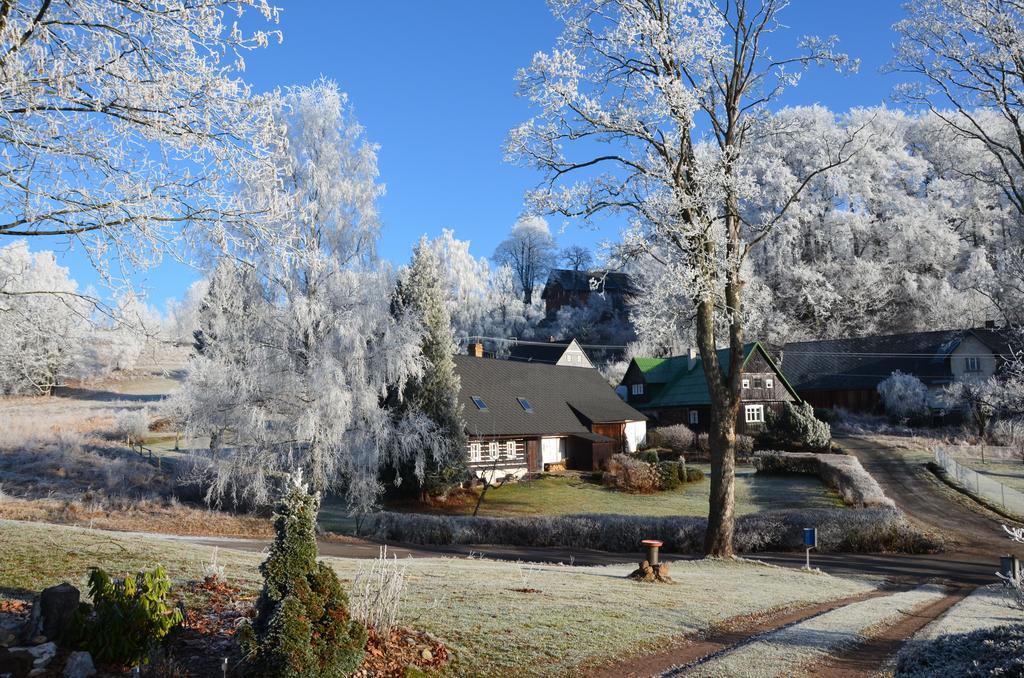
481 299
530 251
43 321
624 102
904 396
126 123
421 293
308 373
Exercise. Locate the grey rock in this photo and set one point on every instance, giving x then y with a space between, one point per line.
54 610
43 654
79 666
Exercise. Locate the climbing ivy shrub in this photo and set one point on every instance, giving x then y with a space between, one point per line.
128 617
302 626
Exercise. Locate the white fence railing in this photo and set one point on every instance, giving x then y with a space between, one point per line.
992 491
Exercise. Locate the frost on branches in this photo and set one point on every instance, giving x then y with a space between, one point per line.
295 369
642 79
904 396
125 123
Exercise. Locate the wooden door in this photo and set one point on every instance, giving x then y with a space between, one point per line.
533 455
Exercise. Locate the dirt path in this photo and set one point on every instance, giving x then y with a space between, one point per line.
728 634
867 658
970 528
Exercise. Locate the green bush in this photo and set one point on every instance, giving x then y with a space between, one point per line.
128 617
302 625
694 475
649 456
796 427
669 473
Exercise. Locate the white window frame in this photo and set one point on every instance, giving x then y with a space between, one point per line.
769 383
753 414
972 363
746 383
694 417
510 450
636 389
476 451
493 450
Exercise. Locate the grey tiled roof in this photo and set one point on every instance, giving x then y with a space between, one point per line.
565 400
579 281
861 363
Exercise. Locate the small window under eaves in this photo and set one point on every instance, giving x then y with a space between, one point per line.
479 402
525 404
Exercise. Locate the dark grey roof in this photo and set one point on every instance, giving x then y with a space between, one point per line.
579 281
861 363
548 354
564 399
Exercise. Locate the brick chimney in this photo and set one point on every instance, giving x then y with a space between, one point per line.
476 349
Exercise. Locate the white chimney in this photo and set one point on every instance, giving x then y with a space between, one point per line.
691 355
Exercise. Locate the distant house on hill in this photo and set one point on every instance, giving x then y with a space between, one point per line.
565 287
524 417
846 372
674 390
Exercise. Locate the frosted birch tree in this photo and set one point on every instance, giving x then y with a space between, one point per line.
125 124
647 109
322 352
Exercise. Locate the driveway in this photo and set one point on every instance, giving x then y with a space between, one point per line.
967 526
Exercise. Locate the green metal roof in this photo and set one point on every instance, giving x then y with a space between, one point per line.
680 385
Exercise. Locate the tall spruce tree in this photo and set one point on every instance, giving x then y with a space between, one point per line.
421 291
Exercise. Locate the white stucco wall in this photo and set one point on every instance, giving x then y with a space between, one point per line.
552 450
636 434
971 347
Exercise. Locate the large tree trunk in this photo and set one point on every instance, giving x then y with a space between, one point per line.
721 513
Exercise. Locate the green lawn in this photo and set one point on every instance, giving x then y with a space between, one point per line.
578 617
557 495
569 494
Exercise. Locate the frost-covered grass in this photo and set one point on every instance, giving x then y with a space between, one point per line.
572 494
841 472
845 530
986 607
785 652
579 616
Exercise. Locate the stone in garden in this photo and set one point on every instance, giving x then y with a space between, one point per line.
427 654
43 654
54 610
79 665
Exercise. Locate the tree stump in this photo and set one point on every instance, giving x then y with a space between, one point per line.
657 573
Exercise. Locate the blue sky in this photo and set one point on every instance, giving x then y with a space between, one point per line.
433 83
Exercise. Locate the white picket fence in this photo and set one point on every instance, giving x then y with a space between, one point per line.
992 491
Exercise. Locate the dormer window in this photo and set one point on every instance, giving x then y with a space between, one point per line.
525 404
637 389
479 402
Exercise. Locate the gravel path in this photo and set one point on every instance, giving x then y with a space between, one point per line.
795 649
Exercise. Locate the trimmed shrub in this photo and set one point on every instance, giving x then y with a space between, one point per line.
128 617
669 472
302 625
843 530
796 427
649 456
744 445
632 475
841 472
678 438
693 475
904 396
